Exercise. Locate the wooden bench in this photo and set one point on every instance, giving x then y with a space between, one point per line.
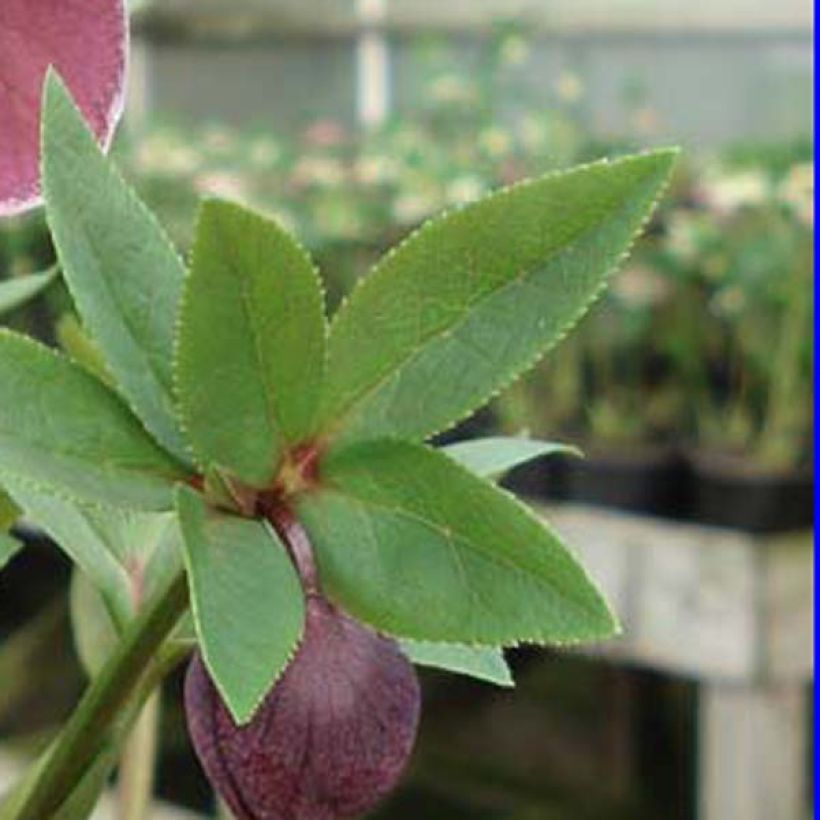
733 612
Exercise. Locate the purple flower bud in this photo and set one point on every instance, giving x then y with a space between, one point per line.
332 737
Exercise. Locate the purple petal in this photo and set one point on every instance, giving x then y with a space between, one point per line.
85 40
330 740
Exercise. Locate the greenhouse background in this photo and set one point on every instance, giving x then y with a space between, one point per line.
689 388
754 58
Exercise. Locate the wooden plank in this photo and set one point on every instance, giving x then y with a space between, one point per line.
752 756
787 605
561 16
698 601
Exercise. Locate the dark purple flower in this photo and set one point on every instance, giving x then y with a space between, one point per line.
332 737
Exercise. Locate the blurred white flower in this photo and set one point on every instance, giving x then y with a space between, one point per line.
465 189
218 139
728 193
222 184
376 169
319 171
451 88
797 191
495 141
534 132
264 152
327 133
412 208
163 154
640 286
682 235
515 50
569 87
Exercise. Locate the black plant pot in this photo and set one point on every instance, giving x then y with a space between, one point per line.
647 480
730 492
644 480
482 423
543 478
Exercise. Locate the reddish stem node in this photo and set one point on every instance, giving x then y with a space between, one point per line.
293 535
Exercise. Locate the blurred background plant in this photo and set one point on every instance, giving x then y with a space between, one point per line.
705 338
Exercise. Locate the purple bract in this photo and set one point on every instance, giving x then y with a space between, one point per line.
85 40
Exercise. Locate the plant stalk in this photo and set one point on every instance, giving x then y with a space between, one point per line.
88 729
138 762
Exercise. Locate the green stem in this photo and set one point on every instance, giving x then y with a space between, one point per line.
86 732
138 761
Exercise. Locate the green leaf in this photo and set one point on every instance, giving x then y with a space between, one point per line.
16 292
126 555
83 349
94 630
62 429
251 342
484 663
492 457
414 544
9 547
476 296
88 791
124 275
246 598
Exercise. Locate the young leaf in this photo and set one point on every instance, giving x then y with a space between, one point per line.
492 457
126 555
83 349
125 277
414 544
246 598
16 292
482 662
251 342
74 533
476 296
94 631
62 429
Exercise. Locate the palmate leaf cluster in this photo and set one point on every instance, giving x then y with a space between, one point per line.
225 372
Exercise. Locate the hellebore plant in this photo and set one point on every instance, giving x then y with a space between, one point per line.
239 452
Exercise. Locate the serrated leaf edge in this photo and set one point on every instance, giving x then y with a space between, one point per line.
162 236
556 448
521 640
195 613
461 645
568 326
59 492
201 462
